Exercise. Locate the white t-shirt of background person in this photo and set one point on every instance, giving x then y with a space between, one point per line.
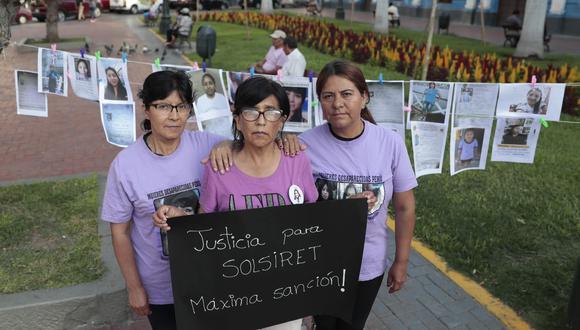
295 64
206 104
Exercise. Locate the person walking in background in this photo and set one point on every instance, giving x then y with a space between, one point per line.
81 10
295 61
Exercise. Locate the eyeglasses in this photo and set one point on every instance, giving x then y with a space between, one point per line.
252 114
166 108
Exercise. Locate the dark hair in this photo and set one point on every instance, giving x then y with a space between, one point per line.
159 85
290 42
348 186
87 65
207 75
539 103
347 70
330 187
297 116
250 93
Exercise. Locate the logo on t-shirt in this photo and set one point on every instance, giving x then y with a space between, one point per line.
296 195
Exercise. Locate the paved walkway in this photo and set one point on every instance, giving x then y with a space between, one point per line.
71 141
560 43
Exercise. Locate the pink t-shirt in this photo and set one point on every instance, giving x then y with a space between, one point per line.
291 183
275 57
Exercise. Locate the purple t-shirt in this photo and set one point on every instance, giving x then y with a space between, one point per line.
139 181
274 57
291 183
375 161
467 149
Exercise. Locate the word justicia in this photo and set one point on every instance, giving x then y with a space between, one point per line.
205 239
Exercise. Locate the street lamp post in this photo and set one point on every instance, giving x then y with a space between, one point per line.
339 10
165 21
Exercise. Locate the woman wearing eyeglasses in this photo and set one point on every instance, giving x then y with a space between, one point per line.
259 167
162 167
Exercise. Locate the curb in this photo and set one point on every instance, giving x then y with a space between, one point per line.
83 306
492 304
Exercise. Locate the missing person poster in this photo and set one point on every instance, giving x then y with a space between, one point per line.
83 76
118 119
386 104
28 100
515 140
428 147
52 72
256 268
525 100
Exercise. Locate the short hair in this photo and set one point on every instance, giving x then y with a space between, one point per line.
290 42
207 75
159 85
253 91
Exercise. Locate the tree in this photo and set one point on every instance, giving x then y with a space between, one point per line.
382 17
532 37
52 21
429 40
267 6
7 13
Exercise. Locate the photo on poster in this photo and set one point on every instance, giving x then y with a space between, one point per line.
468 148
234 80
474 104
171 67
118 119
515 140
523 100
83 76
333 190
386 102
428 141
429 101
209 91
53 72
29 101
298 90
113 80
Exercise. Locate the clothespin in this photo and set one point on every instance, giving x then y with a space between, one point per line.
158 63
534 80
407 109
82 50
98 55
279 75
124 56
195 66
310 75
203 66
239 76
315 103
53 57
252 70
53 47
380 78
544 122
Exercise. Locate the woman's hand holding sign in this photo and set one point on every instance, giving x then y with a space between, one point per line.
163 213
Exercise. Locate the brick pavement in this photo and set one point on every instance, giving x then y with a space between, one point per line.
70 141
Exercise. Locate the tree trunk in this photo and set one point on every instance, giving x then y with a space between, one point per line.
429 40
52 21
267 7
532 38
382 17
7 13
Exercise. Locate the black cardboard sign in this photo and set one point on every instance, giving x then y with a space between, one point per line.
256 268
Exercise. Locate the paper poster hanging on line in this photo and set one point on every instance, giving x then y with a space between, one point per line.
524 100
271 265
113 80
429 102
386 101
52 72
118 119
428 141
171 67
515 140
28 100
83 76
298 90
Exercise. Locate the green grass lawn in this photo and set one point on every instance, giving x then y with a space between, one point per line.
48 235
513 228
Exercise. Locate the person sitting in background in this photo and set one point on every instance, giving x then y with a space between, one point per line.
295 61
393 13
513 21
182 27
150 16
275 58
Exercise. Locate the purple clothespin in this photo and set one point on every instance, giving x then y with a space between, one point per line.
203 66
310 75
82 50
